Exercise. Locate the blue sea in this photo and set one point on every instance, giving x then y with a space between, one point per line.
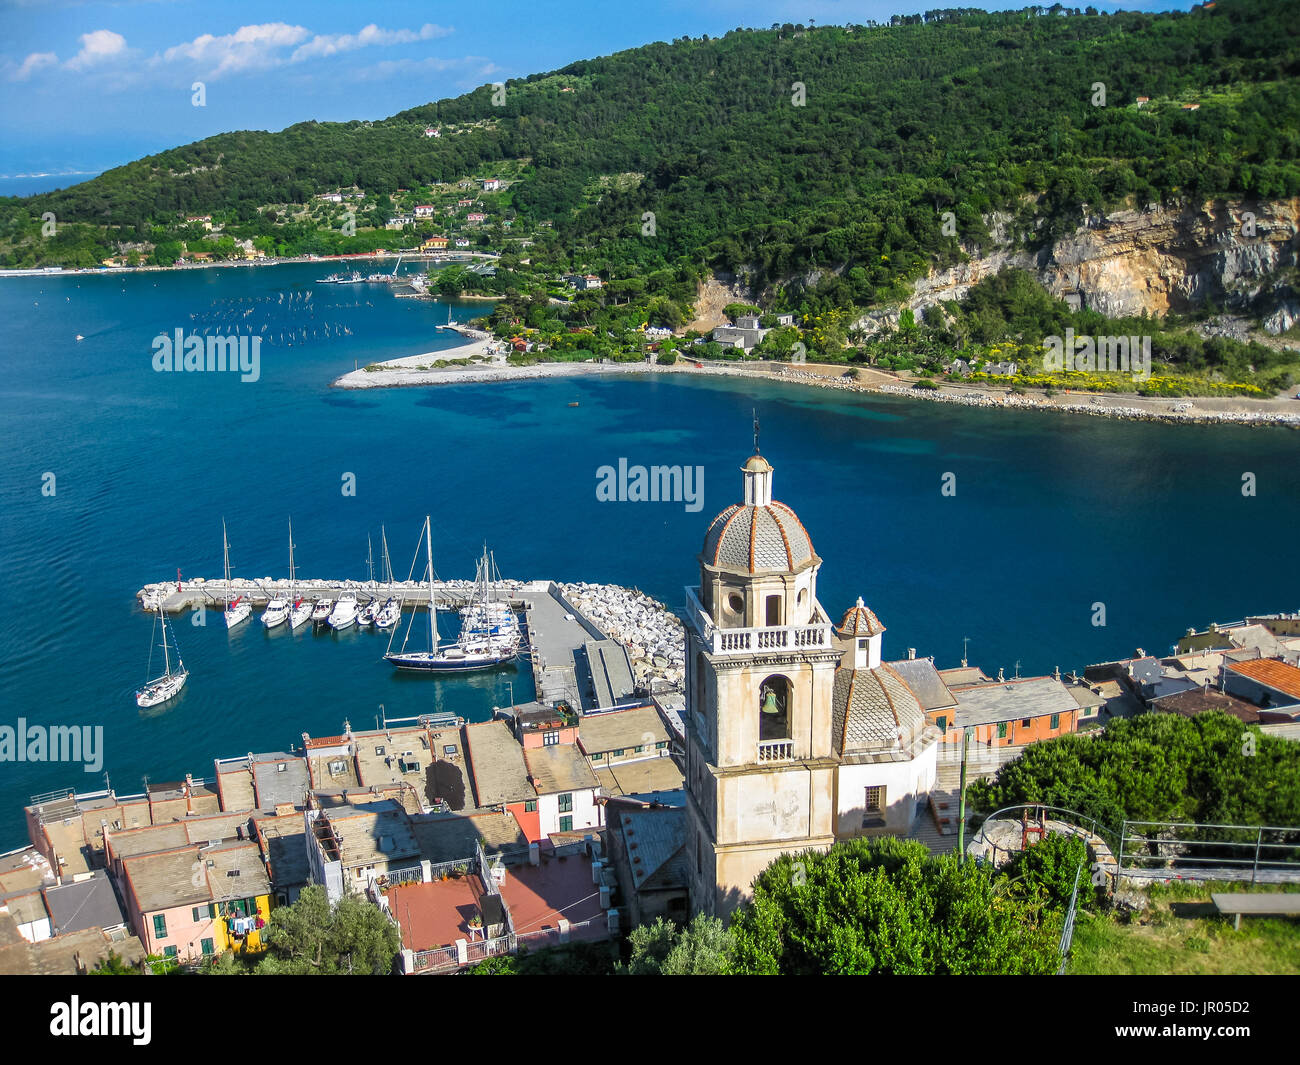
1051 514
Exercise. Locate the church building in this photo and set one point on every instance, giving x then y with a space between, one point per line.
797 734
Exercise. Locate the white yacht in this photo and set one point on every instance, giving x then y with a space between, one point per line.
321 610
276 612
344 614
389 614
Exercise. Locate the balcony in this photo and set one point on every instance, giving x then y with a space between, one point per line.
765 638
774 751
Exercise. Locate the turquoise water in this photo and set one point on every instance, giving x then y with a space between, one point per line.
1051 514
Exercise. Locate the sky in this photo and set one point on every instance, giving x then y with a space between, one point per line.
89 85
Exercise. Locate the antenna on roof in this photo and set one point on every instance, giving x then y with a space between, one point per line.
965 640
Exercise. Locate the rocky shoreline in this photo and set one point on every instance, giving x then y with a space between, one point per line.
1181 411
398 373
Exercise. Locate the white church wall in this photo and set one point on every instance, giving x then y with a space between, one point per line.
904 783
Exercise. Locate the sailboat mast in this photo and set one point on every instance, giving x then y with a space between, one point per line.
370 558
292 597
225 551
433 610
167 658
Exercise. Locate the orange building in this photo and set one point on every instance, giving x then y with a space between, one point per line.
1011 712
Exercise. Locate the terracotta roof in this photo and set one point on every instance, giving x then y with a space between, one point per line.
1270 672
859 620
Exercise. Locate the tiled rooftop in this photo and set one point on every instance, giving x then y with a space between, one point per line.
497 764
621 730
559 768
1274 674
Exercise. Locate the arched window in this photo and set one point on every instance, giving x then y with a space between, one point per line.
774 698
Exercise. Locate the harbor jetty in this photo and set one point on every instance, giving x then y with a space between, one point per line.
176 597
568 627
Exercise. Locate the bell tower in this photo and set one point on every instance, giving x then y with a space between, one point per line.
760 677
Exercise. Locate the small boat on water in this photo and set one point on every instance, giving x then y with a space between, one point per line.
238 608
167 686
321 610
366 615
344 614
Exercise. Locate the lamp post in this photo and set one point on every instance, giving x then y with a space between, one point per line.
961 805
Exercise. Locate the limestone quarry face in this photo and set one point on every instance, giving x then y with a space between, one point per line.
1155 261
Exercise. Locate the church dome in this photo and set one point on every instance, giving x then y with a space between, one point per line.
874 710
757 538
860 620
759 535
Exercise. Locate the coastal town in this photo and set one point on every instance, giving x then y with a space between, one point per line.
624 792
926 682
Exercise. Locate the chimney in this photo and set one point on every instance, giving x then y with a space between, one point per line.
1001 678
911 653
1057 673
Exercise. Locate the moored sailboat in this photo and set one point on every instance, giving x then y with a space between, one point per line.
237 608
460 657
388 615
160 689
300 612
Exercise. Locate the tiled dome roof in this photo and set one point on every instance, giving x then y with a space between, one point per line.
860 620
757 538
874 709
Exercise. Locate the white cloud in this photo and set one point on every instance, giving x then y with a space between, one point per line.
99 46
327 44
248 48
34 62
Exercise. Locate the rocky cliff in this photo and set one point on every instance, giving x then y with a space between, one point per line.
1238 256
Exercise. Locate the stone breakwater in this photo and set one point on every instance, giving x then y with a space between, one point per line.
1179 410
653 635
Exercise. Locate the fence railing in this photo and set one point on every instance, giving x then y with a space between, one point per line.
1191 851
435 959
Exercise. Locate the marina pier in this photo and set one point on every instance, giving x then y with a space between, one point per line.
589 652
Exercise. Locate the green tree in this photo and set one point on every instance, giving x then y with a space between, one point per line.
702 948
885 906
311 937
